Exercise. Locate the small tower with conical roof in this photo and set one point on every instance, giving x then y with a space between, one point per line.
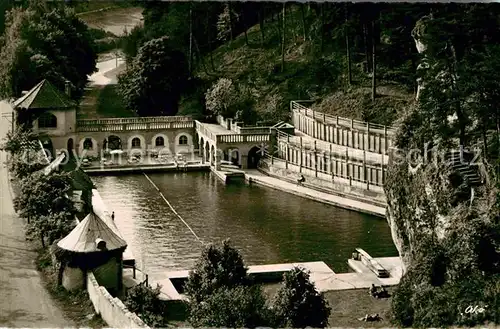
91 246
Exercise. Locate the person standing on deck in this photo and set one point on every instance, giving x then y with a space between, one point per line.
113 216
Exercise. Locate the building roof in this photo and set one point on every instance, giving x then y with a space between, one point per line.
44 96
79 179
82 239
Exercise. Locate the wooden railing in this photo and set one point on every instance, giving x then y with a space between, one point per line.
129 124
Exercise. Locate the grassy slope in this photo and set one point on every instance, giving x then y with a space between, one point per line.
308 74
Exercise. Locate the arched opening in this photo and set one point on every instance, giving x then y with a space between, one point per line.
48 147
69 146
183 140
212 155
234 157
136 142
201 148
207 152
159 141
47 120
254 156
88 144
114 143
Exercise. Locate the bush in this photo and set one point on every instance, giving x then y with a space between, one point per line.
298 304
401 306
239 307
219 266
220 292
221 98
143 301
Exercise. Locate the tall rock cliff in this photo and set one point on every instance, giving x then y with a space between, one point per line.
443 211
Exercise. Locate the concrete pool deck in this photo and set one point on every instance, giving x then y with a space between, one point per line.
259 178
323 277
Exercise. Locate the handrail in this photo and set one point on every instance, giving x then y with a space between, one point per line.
177 118
134 269
338 121
324 147
349 177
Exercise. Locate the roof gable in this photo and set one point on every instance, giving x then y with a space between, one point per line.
44 96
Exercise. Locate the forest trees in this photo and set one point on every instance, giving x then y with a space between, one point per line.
42 200
221 294
44 41
152 84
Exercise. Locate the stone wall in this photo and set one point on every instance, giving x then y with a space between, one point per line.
111 309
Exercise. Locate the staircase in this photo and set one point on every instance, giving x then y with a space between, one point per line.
463 166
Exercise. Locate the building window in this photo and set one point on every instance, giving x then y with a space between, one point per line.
136 142
87 144
183 140
47 120
160 141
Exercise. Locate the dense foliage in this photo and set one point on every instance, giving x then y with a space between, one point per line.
221 294
144 301
298 304
25 152
237 307
44 41
154 80
299 48
448 229
43 200
219 266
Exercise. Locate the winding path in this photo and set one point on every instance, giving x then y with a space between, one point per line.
24 300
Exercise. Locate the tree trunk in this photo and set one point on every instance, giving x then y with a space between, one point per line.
230 21
283 40
413 66
485 142
374 63
210 43
243 18
60 274
42 240
303 21
261 24
322 32
348 50
200 57
367 51
191 39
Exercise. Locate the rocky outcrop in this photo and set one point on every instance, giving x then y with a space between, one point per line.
426 202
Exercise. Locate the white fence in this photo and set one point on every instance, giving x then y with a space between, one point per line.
111 309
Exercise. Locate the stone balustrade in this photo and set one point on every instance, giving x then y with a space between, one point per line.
133 124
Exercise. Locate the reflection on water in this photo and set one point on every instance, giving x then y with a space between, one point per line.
268 226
